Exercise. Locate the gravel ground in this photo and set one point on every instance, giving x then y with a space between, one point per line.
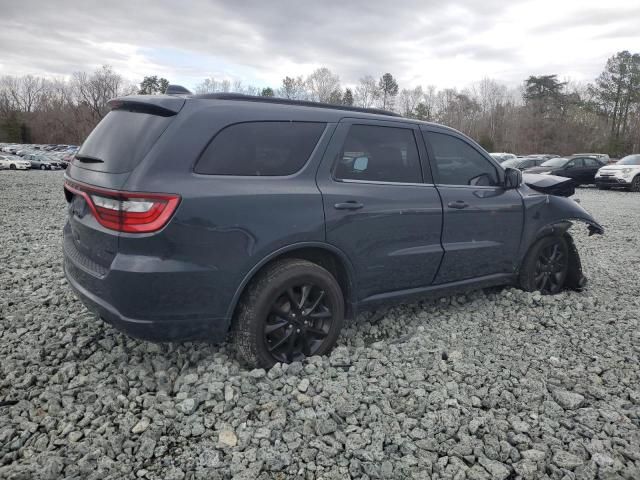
499 384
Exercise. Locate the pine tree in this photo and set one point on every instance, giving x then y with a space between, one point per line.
347 98
388 90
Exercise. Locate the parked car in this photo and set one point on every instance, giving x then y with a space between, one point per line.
12 162
502 157
603 157
38 161
280 218
582 170
523 163
624 174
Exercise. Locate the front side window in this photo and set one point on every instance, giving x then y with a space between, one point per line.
260 149
456 162
379 154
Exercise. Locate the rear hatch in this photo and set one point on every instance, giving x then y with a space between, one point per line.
99 171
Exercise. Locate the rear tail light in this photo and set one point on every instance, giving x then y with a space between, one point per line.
131 212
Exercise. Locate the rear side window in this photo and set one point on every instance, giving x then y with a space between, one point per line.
120 141
379 154
260 149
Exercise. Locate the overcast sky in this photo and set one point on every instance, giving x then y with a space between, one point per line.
428 42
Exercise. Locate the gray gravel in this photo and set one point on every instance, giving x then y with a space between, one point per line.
490 385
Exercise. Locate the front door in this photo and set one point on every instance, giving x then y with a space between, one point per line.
483 221
378 210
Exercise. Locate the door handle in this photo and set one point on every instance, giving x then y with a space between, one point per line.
348 205
459 204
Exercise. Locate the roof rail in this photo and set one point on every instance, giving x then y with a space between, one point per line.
288 101
176 90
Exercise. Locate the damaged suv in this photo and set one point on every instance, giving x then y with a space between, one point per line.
195 216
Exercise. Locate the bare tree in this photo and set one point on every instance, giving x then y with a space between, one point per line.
322 83
366 92
409 99
293 88
95 89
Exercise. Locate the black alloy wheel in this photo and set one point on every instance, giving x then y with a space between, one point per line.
294 308
298 323
551 267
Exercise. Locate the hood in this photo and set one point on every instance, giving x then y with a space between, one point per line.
548 184
615 167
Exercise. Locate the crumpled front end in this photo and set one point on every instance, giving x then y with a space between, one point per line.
547 214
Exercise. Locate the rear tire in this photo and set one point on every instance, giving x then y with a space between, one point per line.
291 310
545 266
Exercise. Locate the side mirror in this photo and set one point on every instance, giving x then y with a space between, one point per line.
360 164
512 178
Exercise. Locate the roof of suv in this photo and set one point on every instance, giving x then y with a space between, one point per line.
287 101
171 104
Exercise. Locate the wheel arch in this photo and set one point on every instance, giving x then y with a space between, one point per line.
327 256
575 279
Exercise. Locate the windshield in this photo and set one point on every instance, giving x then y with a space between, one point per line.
511 163
555 162
629 160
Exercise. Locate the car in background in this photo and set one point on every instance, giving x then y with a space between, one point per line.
39 162
503 157
523 163
603 157
12 162
625 173
546 156
582 170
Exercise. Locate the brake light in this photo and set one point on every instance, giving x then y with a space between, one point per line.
131 212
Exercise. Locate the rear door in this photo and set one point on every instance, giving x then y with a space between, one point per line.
381 209
483 221
591 167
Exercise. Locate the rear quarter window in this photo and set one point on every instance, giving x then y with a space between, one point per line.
260 149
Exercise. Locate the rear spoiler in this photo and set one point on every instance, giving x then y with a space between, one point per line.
162 105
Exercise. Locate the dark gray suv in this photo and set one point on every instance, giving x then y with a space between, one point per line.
192 216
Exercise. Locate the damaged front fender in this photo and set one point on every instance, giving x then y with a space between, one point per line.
544 212
547 214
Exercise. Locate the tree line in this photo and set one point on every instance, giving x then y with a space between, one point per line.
542 115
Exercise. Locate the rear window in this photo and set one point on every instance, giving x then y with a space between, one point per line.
260 149
120 141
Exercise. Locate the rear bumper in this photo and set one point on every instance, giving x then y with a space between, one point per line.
137 302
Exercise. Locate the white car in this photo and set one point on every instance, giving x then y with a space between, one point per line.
14 163
625 173
502 157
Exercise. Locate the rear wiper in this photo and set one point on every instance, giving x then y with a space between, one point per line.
88 159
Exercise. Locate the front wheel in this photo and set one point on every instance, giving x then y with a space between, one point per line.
12 167
292 310
43 167
546 266
635 184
